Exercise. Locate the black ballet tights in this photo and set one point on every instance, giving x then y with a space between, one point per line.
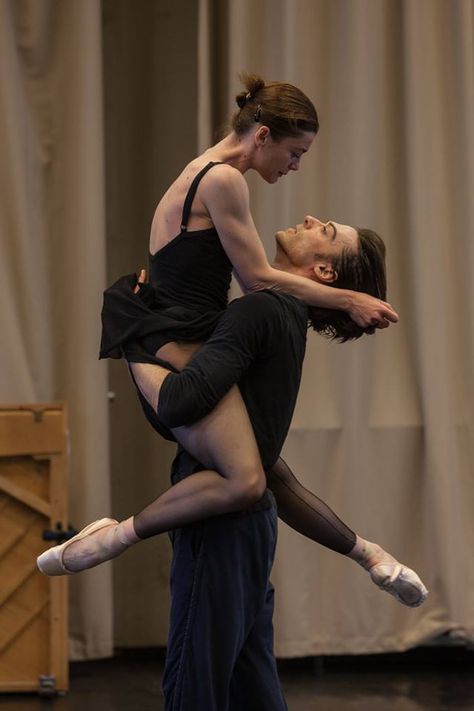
297 506
306 513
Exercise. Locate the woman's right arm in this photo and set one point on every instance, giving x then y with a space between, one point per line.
226 196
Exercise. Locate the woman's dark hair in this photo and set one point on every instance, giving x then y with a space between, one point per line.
282 107
361 270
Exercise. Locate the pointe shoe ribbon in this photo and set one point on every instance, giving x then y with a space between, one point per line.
401 582
51 562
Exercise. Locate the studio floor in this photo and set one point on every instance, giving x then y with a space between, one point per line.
427 679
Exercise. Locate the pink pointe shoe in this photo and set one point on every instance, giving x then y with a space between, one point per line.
51 562
401 582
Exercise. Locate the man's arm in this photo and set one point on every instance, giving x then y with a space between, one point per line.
244 333
225 193
306 513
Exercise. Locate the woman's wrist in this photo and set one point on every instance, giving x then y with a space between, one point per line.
345 299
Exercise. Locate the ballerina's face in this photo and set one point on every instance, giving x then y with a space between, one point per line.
277 158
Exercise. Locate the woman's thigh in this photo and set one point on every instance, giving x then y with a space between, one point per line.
223 440
149 377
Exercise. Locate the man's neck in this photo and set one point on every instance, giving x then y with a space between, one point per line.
285 267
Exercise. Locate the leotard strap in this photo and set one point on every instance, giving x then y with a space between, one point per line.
192 192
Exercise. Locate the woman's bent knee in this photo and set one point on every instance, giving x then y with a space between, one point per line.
247 493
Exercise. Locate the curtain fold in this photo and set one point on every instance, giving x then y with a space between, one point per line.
150 91
383 430
384 427
53 242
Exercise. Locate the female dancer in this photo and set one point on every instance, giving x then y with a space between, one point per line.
190 275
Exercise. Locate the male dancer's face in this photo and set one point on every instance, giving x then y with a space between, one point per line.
309 248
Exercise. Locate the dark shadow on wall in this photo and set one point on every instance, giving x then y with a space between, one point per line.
150 106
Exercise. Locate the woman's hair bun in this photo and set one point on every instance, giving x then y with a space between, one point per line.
253 83
241 99
281 107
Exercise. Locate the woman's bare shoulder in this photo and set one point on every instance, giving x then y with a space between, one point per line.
224 182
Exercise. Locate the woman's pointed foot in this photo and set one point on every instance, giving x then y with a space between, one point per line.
96 543
388 574
401 582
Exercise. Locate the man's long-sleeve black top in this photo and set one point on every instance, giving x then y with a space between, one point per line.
259 343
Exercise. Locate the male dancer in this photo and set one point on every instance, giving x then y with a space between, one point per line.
220 653
221 637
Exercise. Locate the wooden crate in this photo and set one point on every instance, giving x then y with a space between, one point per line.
33 607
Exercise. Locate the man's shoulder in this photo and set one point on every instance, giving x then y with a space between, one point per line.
267 299
258 304
270 306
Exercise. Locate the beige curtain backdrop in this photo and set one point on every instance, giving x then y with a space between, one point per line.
384 427
150 89
53 254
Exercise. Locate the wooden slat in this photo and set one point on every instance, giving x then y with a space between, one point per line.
17 525
34 616
22 624
59 611
32 430
26 659
19 564
26 497
26 686
31 599
30 472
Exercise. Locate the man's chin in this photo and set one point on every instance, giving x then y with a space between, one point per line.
280 240
280 256
283 236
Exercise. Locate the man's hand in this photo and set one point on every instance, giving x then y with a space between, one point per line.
141 280
369 311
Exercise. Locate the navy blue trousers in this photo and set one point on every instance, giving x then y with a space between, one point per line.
220 648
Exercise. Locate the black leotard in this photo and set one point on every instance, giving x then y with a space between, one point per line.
189 283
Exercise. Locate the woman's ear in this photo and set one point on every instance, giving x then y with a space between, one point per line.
261 135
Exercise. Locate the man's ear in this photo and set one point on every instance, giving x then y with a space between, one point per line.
325 272
261 135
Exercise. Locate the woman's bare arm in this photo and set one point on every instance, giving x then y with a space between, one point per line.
226 196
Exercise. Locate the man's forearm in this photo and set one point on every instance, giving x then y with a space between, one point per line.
189 396
306 513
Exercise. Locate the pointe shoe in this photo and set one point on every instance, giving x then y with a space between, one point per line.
401 582
51 562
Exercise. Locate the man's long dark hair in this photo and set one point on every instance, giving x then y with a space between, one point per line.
363 270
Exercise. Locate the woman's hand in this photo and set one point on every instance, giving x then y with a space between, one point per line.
368 311
141 280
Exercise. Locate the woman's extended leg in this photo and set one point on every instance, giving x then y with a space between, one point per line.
213 442
223 441
312 517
